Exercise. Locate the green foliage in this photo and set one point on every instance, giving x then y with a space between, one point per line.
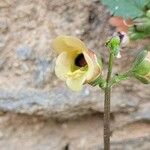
141 28
126 8
142 24
134 35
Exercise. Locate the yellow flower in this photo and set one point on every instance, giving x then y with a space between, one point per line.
75 64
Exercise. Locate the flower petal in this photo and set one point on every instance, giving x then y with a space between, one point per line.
68 43
94 68
63 65
76 84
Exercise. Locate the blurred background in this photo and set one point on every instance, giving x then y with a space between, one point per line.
37 110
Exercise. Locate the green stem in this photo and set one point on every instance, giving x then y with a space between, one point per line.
107 105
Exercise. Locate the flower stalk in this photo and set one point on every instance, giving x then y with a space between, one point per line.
107 104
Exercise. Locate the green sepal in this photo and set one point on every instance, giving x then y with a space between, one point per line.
142 79
99 81
102 83
141 67
99 59
140 57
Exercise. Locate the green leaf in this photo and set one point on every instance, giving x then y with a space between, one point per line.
126 8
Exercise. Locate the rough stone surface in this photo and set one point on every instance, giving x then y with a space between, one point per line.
24 52
37 110
36 133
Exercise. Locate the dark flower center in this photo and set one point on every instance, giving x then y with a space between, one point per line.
80 61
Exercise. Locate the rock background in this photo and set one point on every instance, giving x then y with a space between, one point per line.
38 111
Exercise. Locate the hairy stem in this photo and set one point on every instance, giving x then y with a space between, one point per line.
107 105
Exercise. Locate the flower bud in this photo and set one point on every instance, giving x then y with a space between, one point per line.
114 45
118 41
141 67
